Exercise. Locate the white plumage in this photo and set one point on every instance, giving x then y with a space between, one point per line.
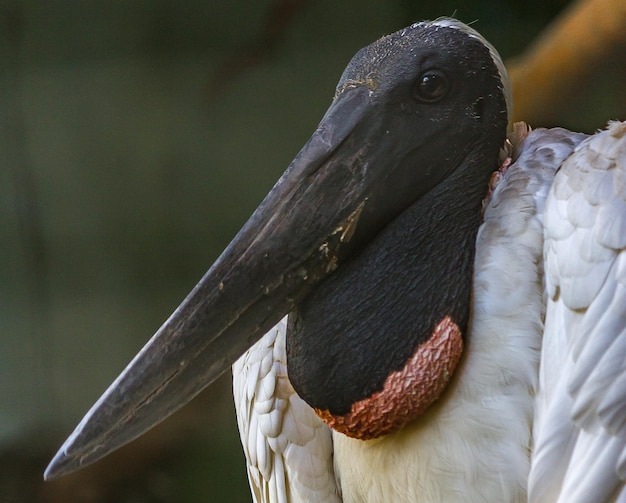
289 449
580 426
534 413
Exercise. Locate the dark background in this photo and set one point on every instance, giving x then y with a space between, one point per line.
135 139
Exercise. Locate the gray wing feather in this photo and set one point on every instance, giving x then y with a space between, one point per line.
580 424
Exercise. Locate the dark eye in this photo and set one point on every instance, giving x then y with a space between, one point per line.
431 86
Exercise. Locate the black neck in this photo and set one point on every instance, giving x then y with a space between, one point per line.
367 319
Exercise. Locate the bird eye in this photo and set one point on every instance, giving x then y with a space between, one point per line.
431 86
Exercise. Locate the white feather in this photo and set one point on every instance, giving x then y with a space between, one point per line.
288 448
580 426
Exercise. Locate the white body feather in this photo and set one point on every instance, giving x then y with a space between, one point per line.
580 425
497 417
288 448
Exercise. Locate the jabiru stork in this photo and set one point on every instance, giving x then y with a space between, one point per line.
424 348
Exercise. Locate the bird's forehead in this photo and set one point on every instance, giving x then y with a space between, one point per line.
387 56
399 55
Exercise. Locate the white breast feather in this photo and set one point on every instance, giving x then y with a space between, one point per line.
288 448
580 425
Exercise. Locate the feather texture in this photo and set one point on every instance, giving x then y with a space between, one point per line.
288 448
580 424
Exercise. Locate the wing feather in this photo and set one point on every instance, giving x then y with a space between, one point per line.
580 422
288 449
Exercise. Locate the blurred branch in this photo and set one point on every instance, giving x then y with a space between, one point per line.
565 56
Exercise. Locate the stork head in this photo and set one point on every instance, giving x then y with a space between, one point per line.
414 129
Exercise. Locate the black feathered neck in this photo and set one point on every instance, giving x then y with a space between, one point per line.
367 319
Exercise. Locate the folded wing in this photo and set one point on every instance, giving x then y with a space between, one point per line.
580 425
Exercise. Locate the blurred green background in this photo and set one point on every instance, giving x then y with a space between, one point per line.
135 139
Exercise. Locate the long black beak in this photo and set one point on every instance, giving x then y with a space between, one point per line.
297 236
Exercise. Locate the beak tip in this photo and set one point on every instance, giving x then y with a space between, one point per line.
60 465
69 458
